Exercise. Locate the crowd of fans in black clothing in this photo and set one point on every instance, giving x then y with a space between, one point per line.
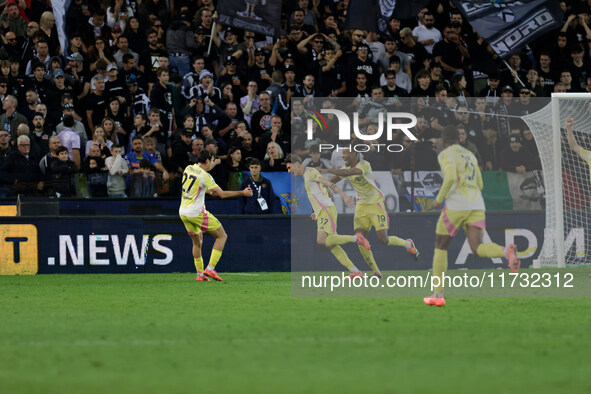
139 90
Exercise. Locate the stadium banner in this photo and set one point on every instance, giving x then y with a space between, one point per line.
150 244
408 9
258 16
281 182
426 186
525 191
496 193
509 25
299 203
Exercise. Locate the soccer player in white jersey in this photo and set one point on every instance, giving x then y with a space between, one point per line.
572 142
464 208
325 213
370 210
197 182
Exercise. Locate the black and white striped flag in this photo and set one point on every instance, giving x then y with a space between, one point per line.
509 25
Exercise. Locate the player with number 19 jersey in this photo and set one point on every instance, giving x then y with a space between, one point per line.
370 210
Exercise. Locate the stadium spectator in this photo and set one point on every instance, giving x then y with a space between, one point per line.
61 174
141 181
234 165
45 162
451 53
273 158
261 119
250 102
426 34
467 144
197 145
180 151
138 154
516 158
96 173
20 170
23 129
5 146
262 200
11 119
217 171
491 150
315 161
402 79
207 133
71 140
12 20
275 134
40 134
118 170
414 50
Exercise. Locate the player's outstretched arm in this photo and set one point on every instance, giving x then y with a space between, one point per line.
218 192
348 200
572 142
342 171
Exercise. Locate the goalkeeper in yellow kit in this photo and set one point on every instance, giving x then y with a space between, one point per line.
370 210
464 208
572 142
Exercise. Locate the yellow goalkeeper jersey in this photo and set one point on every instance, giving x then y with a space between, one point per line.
585 155
462 180
365 185
196 182
317 192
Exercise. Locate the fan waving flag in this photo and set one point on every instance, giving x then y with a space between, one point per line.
258 16
509 25
369 15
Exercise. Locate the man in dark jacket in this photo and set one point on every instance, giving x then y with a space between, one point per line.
263 198
20 170
516 158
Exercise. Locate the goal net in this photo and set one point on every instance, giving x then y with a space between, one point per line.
567 181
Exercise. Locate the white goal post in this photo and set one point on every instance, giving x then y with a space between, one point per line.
567 180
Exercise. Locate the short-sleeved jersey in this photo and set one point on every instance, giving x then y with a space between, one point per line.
71 140
317 192
196 182
585 155
461 166
365 185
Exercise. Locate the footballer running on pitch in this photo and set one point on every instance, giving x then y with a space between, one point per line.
464 207
197 182
325 213
370 210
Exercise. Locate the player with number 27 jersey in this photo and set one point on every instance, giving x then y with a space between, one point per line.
196 182
197 221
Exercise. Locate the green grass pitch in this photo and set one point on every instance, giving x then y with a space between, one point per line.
153 333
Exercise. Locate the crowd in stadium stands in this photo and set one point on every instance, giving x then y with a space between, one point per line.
137 93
